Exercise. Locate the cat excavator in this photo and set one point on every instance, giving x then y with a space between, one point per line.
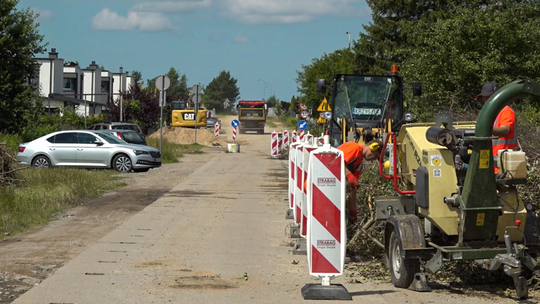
184 115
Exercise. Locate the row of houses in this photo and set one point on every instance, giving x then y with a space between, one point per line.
88 89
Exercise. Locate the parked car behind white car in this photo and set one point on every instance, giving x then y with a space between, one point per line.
87 149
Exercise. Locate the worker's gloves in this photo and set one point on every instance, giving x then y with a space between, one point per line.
352 180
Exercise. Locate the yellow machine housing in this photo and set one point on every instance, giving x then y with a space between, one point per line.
418 156
183 115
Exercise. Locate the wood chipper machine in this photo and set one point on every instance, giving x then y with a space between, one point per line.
451 203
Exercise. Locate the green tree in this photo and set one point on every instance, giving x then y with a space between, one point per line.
453 58
339 62
220 88
137 78
19 42
380 41
178 89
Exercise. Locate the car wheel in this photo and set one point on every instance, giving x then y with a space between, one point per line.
122 163
141 170
41 162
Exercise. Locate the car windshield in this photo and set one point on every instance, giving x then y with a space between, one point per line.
126 127
111 139
363 97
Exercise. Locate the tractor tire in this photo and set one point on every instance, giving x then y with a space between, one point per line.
402 271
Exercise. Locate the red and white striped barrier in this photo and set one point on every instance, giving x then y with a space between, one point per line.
294 136
292 171
303 203
302 135
234 131
274 145
309 138
326 235
280 142
216 129
299 182
286 139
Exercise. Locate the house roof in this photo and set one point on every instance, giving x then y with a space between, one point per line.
70 100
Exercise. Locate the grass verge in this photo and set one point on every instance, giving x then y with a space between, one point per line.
172 151
46 192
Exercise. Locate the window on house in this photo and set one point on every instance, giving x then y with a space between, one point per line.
70 84
105 86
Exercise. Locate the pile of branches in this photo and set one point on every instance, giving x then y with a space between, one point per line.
7 167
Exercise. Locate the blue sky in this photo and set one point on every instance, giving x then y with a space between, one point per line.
253 39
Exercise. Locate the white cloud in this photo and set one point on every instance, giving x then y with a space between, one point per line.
172 6
241 39
142 21
43 14
287 11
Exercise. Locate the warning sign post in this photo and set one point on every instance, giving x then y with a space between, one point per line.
326 228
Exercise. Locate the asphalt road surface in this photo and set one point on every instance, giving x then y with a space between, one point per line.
194 244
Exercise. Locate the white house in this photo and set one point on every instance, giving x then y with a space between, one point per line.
88 89
50 78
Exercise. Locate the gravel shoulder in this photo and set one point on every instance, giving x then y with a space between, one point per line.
28 258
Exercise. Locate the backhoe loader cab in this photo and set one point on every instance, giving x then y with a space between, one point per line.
365 106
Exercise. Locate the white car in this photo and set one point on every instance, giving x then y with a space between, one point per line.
87 149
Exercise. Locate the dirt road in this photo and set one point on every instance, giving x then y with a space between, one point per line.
222 217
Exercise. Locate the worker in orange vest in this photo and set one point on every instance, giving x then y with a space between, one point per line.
505 124
354 155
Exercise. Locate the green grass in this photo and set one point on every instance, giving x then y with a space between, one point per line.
289 122
45 192
172 151
271 124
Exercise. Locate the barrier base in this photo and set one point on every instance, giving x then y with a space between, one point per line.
300 248
420 283
289 214
330 292
295 231
233 148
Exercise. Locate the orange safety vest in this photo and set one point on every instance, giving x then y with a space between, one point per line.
505 118
353 156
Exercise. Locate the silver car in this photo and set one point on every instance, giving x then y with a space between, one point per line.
88 149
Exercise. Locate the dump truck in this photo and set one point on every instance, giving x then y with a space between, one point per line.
183 114
251 115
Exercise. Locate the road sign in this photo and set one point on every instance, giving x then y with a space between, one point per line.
163 82
324 106
196 100
235 123
302 125
196 90
321 120
226 103
304 114
303 106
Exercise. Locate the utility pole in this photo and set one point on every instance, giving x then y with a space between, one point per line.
264 89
